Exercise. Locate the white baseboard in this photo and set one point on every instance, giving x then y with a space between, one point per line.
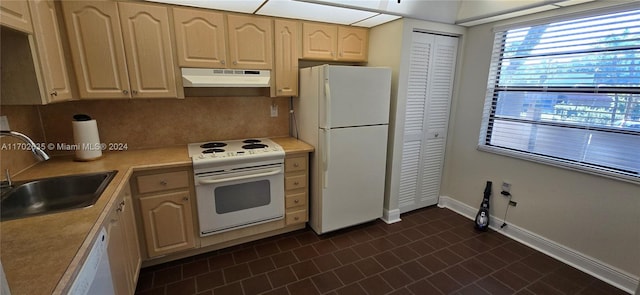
590 265
390 216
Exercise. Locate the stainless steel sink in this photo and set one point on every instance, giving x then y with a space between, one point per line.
55 194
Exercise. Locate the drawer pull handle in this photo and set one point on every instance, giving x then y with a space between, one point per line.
296 165
296 218
185 199
296 183
296 201
162 182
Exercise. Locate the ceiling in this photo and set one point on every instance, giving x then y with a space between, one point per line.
370 13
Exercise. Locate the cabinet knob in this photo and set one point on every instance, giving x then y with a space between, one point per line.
296 183
235 62
185 199
437 134
296 165
162 182
54 93
134 92
296 201
125 91
222 62
296 218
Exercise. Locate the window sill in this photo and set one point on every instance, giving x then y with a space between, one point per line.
584 168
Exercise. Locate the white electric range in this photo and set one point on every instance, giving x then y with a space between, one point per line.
239 183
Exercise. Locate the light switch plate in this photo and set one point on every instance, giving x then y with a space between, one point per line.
274 110
4 124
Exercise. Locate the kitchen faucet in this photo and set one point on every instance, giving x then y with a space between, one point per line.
37 152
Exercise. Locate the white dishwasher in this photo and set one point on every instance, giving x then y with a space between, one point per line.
95 274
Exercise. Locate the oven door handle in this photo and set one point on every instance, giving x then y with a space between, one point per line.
219 180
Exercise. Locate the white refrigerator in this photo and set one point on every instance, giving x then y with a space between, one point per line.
343 111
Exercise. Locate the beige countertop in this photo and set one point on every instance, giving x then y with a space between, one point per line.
41 254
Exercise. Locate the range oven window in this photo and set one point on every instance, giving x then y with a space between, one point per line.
237 197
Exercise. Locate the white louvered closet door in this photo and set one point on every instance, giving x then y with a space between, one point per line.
430 84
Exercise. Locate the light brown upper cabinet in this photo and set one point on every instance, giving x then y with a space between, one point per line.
34 66
319 41
286 57
250 42
147 44
353 43
333 42
120 50
200 38
53 63
15 15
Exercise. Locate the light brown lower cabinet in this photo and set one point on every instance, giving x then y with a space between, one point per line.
123 247
164 210
168 223
296 190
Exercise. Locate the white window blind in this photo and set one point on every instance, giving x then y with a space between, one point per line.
568 94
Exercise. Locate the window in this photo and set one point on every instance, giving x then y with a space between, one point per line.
568 93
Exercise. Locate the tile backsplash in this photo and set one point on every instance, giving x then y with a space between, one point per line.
26 120
148 123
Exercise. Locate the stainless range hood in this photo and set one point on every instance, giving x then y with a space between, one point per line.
197 77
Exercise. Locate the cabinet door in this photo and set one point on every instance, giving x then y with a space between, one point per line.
286 57
118 257
53 63
128 221
250 42
168 223
352 43
200 38
96 48
15 15
147 43
319 41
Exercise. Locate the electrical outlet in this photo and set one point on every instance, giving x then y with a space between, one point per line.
274 110
506 186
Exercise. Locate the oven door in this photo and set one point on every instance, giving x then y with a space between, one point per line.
234 199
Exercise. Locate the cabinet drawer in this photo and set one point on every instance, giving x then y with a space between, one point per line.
162 181
294 182
295 200
296 217
295 164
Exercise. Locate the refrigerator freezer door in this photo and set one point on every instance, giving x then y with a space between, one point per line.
358 96
352 187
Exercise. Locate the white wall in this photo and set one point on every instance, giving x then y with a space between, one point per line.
595 216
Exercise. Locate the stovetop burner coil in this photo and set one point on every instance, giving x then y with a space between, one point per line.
210 145
254 146
251 140
210 151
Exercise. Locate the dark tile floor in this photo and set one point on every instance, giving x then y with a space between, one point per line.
431 251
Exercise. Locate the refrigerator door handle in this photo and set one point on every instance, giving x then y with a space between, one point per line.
325 158
327 100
